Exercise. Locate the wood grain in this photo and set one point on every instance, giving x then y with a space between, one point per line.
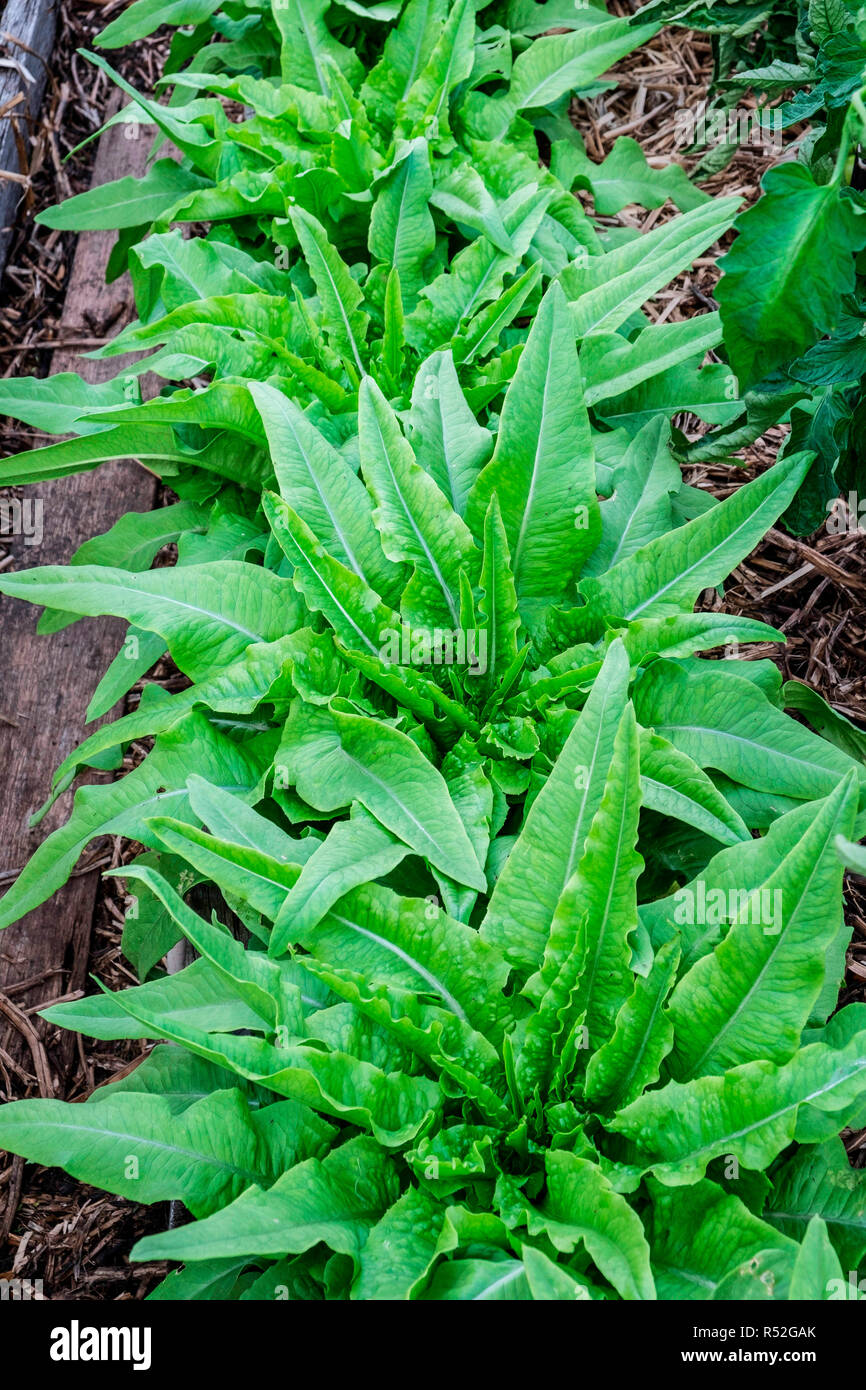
46 682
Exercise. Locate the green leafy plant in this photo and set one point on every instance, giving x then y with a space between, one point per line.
377 562
519 1054
791 295
310 293
354 233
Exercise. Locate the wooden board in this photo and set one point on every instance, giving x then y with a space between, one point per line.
33 22
46 682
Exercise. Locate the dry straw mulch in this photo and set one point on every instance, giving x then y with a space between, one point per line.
813 588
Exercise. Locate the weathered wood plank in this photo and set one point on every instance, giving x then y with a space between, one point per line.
46 682
33 22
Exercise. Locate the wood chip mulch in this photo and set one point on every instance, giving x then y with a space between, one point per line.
73 1237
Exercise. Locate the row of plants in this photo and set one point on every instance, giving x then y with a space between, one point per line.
537 912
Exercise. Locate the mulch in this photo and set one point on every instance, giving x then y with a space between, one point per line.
814 588
73 1237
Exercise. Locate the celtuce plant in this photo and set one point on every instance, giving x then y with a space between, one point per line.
541 910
